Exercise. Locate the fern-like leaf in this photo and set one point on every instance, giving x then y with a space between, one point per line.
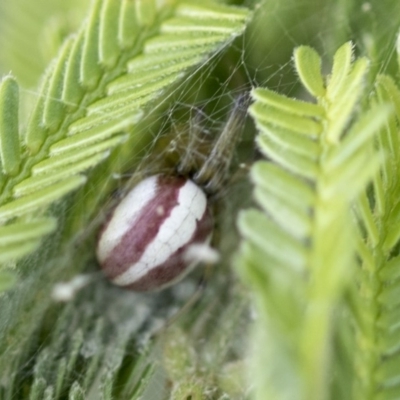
298 252
376 296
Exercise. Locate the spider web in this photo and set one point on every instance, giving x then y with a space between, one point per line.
117 339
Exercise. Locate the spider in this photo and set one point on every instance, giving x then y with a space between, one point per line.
146 243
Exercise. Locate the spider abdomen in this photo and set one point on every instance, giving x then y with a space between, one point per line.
143 244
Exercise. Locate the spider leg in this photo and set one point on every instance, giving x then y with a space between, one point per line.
197 138
214 171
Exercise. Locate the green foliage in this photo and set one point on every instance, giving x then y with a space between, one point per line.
320 246
308 240
32 33
374 304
